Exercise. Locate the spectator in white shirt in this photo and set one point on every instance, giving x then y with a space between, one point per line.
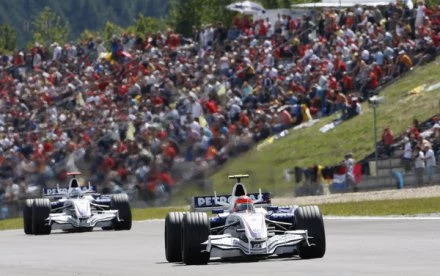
430 163
407 154
57 51
419 165
196 107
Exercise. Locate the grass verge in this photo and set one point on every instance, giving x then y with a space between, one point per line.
361 208
155 213
383 207
306 147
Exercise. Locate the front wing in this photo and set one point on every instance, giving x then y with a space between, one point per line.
67 222
226 246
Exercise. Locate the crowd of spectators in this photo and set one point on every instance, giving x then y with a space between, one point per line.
421 150
142 113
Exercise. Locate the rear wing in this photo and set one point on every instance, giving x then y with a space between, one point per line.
238 176
59 192
208 203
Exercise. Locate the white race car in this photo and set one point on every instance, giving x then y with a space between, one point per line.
76 209
241 230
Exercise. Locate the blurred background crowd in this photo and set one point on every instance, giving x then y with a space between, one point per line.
145 114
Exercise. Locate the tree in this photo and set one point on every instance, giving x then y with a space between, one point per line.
8 37
49 28
430 3
270 4
186 13
214 11
87 34
111 30
285 4
146 24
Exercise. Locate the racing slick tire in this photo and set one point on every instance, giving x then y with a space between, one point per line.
173 236
27 216
120 202
195 231
40 212
310 218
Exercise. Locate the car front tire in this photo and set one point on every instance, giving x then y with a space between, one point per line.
310 218
195 231
120 202
27 216
173 236
40 212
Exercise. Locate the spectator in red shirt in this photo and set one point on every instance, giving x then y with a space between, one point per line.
346 83
244 119
374 82
388 140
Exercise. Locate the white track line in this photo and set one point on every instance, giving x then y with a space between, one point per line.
437 217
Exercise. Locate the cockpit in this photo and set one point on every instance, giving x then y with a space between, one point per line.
74 183
244 204
74 189
239 190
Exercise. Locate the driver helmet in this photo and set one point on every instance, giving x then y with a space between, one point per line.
243 204
75 192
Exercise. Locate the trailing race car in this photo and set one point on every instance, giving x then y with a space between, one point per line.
76 209
242 230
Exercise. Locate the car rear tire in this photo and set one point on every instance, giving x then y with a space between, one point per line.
173 236
120 202
195 231
27 216
310 218
40 212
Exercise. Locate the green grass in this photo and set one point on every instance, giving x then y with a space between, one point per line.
307 147
383 207
14 223
138 214
362 208
155 213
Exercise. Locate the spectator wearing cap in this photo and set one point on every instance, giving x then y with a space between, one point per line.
419 165
407 154
404 62
196 107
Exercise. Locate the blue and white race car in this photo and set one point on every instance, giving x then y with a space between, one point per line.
76 208
246 226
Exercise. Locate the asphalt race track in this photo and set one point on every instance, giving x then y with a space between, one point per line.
374 246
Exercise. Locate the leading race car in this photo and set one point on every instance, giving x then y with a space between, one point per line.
246 226
76 209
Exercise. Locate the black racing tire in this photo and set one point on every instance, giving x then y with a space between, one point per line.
173 236
120 202
85 229
195 231
310 218
40 212
27 216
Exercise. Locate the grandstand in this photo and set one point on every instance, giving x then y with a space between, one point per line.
149 114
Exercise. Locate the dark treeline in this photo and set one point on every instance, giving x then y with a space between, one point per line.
18 17
79 14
